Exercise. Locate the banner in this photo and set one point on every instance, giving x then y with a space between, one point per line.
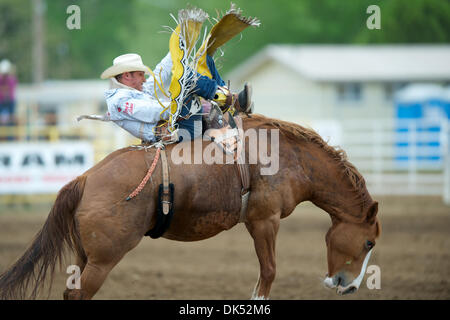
27 168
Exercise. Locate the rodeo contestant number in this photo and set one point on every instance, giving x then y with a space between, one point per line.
246 309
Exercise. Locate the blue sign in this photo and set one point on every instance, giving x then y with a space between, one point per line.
421 111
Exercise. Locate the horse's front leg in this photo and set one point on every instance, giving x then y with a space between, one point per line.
264 233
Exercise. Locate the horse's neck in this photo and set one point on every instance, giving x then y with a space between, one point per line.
330 188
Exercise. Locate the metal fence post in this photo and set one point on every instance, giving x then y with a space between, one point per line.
446 155
413 152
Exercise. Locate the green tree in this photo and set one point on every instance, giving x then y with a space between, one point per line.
406 21
15 36
82 53
113 27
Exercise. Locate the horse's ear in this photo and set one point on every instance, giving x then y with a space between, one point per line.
378 225
372 213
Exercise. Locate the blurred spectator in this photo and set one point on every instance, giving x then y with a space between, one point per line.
8 84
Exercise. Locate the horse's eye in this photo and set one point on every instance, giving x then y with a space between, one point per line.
369 244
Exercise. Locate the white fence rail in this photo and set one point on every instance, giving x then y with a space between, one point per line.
375 147
399 157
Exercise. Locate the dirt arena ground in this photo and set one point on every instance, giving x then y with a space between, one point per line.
413 255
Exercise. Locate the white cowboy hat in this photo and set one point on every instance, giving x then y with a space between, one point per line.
5 66
125 63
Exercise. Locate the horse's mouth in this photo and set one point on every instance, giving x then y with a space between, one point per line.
338 284
346 290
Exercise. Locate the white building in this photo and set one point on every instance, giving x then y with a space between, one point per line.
309 82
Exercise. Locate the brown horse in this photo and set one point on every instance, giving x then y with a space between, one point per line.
92 218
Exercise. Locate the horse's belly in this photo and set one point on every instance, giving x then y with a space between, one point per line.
207 201
195 226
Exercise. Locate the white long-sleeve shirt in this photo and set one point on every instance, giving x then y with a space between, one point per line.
139 111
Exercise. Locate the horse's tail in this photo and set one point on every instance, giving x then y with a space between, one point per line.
59 232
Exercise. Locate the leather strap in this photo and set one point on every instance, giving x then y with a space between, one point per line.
245 177
166 180
244 205
231 99
244 174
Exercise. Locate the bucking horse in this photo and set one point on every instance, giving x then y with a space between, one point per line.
92 218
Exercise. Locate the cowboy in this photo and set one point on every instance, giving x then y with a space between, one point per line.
137 104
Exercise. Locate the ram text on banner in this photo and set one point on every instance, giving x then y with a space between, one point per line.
42 167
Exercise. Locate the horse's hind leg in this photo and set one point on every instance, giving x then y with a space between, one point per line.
104 247
264 233
80 263
92 278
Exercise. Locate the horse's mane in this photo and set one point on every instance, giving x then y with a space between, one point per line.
339 155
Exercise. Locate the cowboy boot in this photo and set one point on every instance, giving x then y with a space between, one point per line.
244 100
240 101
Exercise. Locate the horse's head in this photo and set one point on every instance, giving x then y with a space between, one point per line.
349 246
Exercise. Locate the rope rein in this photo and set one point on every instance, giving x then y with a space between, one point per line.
147 176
